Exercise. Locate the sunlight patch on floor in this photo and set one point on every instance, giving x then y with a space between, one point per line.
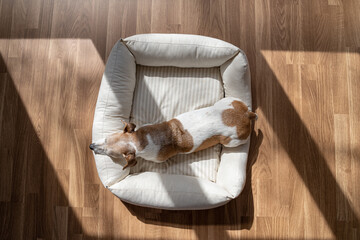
60 70
312 82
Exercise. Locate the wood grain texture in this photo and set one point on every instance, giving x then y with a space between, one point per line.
303 170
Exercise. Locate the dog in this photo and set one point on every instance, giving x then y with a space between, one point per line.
227 122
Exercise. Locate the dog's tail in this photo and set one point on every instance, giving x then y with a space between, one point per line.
252 116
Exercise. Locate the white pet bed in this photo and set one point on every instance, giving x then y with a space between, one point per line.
151 78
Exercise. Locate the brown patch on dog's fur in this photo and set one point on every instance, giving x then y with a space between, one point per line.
211 141
240 117
170 135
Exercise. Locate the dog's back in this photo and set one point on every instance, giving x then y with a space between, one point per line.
227 122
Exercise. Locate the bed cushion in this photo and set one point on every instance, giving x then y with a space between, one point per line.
173 192
180 50
154 77
113 105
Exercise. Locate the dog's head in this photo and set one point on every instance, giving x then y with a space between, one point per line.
117 145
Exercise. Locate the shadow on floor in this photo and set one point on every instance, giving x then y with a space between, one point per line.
303 151
33 204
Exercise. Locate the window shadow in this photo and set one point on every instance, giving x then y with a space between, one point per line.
303 151
33 202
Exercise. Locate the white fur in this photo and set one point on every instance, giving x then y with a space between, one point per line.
100 142
207 122
150 152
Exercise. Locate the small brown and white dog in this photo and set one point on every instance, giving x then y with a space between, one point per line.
227 122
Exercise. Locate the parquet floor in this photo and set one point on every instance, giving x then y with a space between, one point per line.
304 164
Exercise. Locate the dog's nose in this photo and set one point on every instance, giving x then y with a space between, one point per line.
92 146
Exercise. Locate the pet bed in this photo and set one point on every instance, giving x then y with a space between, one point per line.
151 78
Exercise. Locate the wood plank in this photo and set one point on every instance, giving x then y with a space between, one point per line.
354 125
143 16
61 220
167 17
122 17
196 17
343 166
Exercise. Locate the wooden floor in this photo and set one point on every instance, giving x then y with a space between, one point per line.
304 166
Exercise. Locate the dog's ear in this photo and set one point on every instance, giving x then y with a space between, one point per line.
130 160
129 127
252 116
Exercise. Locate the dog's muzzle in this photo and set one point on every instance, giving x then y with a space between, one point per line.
96 149
92 146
